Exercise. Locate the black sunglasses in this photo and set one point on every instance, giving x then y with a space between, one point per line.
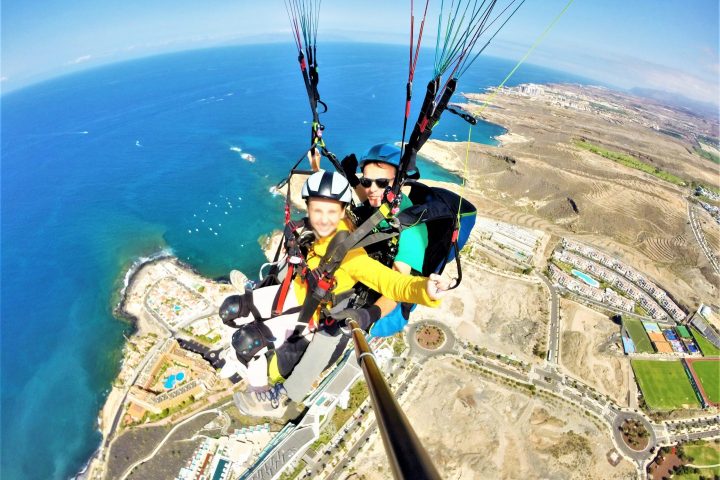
380 182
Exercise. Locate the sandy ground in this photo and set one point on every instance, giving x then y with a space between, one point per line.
476 429
504 314
585 352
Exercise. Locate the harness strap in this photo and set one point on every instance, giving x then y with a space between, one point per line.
279 301
376 238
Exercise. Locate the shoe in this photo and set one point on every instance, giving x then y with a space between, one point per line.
272 402
238 280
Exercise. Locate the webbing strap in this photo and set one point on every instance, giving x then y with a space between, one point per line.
376 238
279 301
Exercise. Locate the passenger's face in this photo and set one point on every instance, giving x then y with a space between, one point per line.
325 215
377 171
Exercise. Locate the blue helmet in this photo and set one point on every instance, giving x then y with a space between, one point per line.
384 153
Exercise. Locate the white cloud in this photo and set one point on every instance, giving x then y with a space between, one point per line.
626 71
81 59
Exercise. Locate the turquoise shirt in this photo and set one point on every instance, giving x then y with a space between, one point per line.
413 241
411 250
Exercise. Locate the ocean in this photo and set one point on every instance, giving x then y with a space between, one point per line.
107 166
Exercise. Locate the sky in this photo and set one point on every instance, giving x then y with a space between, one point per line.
667 45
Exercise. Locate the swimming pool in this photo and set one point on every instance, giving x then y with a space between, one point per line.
172 379
585 278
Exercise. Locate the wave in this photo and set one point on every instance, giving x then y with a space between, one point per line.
84 470
139 263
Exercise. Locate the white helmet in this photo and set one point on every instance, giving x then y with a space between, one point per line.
324 184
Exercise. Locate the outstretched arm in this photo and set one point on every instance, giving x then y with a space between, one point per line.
392 284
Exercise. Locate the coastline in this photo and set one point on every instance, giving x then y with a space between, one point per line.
116 396
137 280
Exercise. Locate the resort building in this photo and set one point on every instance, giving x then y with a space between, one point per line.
629 281
515 243
173 303
171 377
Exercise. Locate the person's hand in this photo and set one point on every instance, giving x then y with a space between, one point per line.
437 286
364 317
349 165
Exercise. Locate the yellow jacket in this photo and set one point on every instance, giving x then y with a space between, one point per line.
357 266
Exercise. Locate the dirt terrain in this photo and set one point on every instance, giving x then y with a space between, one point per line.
504 314
587 353
625 212
495 433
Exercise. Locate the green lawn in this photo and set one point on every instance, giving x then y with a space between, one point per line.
707 348
708 371
702 453
706 473
638 335
664 385
632 162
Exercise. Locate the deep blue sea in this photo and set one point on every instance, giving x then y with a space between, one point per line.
106 166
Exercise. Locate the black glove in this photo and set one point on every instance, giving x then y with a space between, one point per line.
349 165
365 317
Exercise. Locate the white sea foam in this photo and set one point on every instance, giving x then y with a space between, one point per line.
235 149
137 143
139 262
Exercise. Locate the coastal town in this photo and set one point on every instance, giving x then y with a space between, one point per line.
574 342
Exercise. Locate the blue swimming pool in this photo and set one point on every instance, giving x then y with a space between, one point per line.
172 379
585 278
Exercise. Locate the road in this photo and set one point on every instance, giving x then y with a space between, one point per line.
553 354
700 237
